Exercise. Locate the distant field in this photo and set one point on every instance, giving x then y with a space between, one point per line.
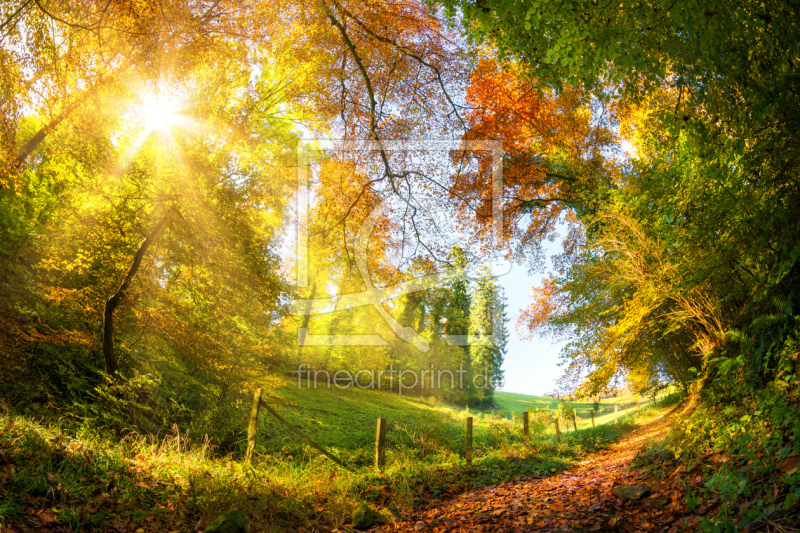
514 404
345 419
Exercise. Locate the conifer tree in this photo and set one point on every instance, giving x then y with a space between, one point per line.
487 318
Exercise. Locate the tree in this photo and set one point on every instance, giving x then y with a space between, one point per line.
101 50
706 55
195 300
684 235
488 317
114 300
456 325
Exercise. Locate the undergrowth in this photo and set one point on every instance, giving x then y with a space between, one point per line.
740 449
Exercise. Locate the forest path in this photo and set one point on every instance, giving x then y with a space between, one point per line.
578 499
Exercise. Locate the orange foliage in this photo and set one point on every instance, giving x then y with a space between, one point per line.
547 303
553 152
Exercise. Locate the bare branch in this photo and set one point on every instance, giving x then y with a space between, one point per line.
407 52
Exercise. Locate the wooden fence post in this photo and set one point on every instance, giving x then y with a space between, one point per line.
558 432
593 418
380 445
252 428
468 454
616 420
525 426
302 435
574 422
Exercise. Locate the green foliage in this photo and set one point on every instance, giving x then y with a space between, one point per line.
739 440
540 421
688 262
204 308
488 317
140 404
457 322
566 411
706 51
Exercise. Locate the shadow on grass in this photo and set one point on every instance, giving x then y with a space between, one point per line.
50 481
423 482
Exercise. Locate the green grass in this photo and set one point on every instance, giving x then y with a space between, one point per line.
56 471
514 404
344 420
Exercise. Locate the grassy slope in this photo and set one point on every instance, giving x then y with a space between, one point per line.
342 419
345 419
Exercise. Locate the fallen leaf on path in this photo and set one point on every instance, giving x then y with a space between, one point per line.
572 500
47 516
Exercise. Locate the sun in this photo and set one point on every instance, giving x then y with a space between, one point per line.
160 113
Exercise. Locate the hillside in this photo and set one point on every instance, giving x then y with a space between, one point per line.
345 419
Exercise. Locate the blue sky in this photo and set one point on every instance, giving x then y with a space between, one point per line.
530 365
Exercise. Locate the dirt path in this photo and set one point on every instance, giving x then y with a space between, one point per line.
578 499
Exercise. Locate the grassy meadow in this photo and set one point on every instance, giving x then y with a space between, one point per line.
345 419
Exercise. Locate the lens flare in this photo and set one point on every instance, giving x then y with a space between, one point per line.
159 114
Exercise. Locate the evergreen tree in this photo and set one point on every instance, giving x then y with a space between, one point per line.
457 315
487 317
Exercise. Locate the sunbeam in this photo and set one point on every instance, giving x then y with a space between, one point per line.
160 113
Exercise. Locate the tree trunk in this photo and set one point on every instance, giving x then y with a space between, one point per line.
114 300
